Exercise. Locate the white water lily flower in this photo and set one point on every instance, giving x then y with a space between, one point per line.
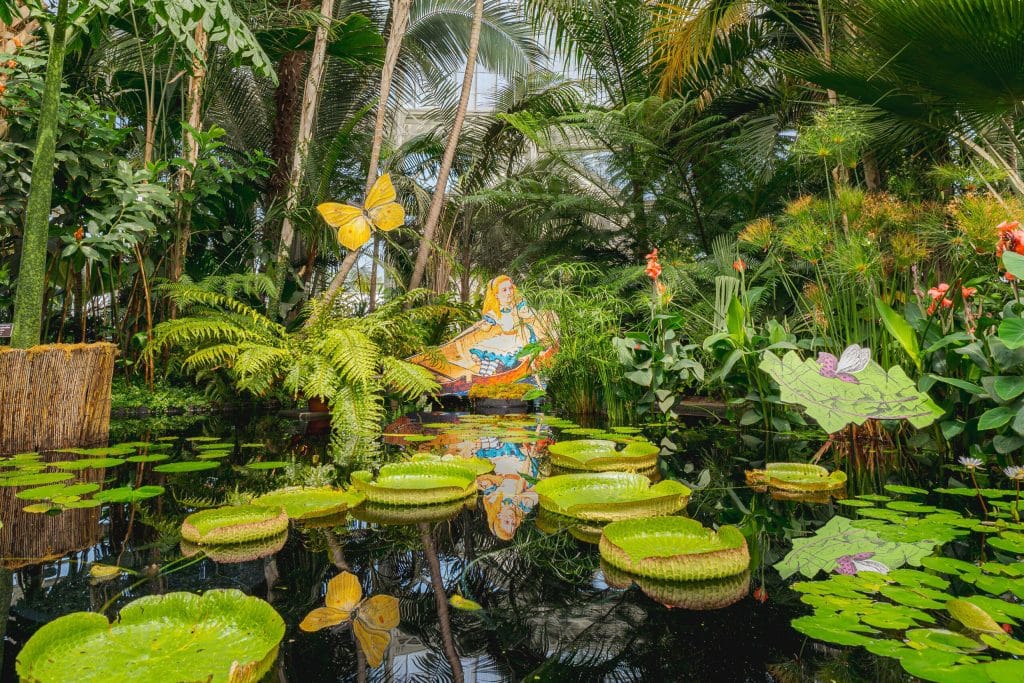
1014 472
970 463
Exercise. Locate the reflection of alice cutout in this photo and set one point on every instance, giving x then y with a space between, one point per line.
853 360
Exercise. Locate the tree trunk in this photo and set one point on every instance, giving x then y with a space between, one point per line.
437 202
307 126
190 145
399 24
28 300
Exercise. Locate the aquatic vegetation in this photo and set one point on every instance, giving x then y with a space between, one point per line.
127 494
601 455
234 524
386 514
372 618
674 549
609 496
839 538
186 466
304 503
691 595
797 477
421 481
220 636
834 403
237 552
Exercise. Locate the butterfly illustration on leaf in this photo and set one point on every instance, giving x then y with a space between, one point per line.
372 619
381 210
860 562
853 359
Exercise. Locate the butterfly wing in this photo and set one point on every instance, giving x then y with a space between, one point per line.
337 214
379 612
344 592
354 234
388 216
374 643
382 192
828 364
854 359
323 617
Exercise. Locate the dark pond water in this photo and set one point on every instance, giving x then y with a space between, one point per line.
549 611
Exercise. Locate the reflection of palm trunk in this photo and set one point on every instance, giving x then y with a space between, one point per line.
443 617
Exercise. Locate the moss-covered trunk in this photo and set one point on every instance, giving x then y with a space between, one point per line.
28 300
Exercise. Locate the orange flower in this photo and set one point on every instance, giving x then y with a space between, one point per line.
1010 237
939 291
968 292
80 233
18 43
653 269
760 594
739 265
1007 628
11 64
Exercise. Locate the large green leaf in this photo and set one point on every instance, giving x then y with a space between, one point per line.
901 330
609 496
220 636
1011 332
310 502
818 553
421 482
674 548
234 524
834 403
601 455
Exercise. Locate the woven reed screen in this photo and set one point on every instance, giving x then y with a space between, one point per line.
55 396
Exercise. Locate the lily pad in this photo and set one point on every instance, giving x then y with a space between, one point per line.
877 394
266 465
87 463
186 466
674 549
220 636
943 640
152 457
310 502
610 496
601 455
237 552
234 524
55 491
418 482
796 476
973 617
37 479
126 494
690 595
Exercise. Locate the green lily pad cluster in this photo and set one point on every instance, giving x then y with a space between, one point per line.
602 455
610 496
221 636
798 477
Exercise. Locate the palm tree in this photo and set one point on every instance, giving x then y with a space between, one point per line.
437 203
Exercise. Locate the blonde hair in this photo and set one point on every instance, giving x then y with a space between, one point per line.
491 303
493 506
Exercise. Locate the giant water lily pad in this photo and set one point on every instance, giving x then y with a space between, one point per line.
610 496
420 482
835 403
220 636
602 455
674 549
797 477
234 524
306 502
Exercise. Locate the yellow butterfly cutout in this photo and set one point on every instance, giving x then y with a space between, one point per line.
374 617
381 210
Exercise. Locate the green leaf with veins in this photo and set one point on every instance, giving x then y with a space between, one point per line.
834 403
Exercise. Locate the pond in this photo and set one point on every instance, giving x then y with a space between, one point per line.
551 608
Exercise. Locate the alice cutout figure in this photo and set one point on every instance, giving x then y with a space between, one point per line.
507 327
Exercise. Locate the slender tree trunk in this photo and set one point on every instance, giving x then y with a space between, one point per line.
28 300
307 126
399 25
373 272
467 255
194 102
437 203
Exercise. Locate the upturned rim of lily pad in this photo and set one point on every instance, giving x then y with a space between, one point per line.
602 455
237 552
81 641
311 502
420 481
610 496
234 524
796 476
674 549
398 515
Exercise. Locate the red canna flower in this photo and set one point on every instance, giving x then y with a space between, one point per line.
80 233
939 291
1010 237
760 594
739 265
968 292
1007 628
